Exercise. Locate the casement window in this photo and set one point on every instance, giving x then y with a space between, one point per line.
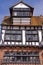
21 13
13 32
21 20
21 57
15 36
32 36
33 59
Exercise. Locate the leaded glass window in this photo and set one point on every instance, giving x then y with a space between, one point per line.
21 13
32 36
15 35
19 57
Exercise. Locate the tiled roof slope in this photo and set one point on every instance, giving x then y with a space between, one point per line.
35 21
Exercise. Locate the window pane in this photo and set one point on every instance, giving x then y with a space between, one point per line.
13 32
13 35
32 36
28 38
28 32
24 58
18 59
21 13
31 32
34 32
11 56
7 37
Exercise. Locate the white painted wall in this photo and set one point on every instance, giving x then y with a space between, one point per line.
20 5
40 35
3 34
23 37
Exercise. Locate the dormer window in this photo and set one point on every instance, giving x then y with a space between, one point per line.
21 9
21 13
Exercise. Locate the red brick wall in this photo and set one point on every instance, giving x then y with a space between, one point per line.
21 49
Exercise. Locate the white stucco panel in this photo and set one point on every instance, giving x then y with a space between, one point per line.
23 37
40 35
20 5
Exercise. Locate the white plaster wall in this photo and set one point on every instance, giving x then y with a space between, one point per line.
23 37
20 5
40 35
3 34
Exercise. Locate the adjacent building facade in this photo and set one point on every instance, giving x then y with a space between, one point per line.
22 37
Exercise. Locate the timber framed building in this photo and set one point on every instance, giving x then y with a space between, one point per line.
22 37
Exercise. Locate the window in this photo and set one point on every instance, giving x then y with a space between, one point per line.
21 13
32 36
19 57
24 53
13 32
34 59
24 58
21 20
13 36
7 37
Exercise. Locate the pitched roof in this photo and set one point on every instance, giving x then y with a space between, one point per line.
35 21
23 3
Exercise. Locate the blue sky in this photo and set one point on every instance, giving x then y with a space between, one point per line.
6 4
